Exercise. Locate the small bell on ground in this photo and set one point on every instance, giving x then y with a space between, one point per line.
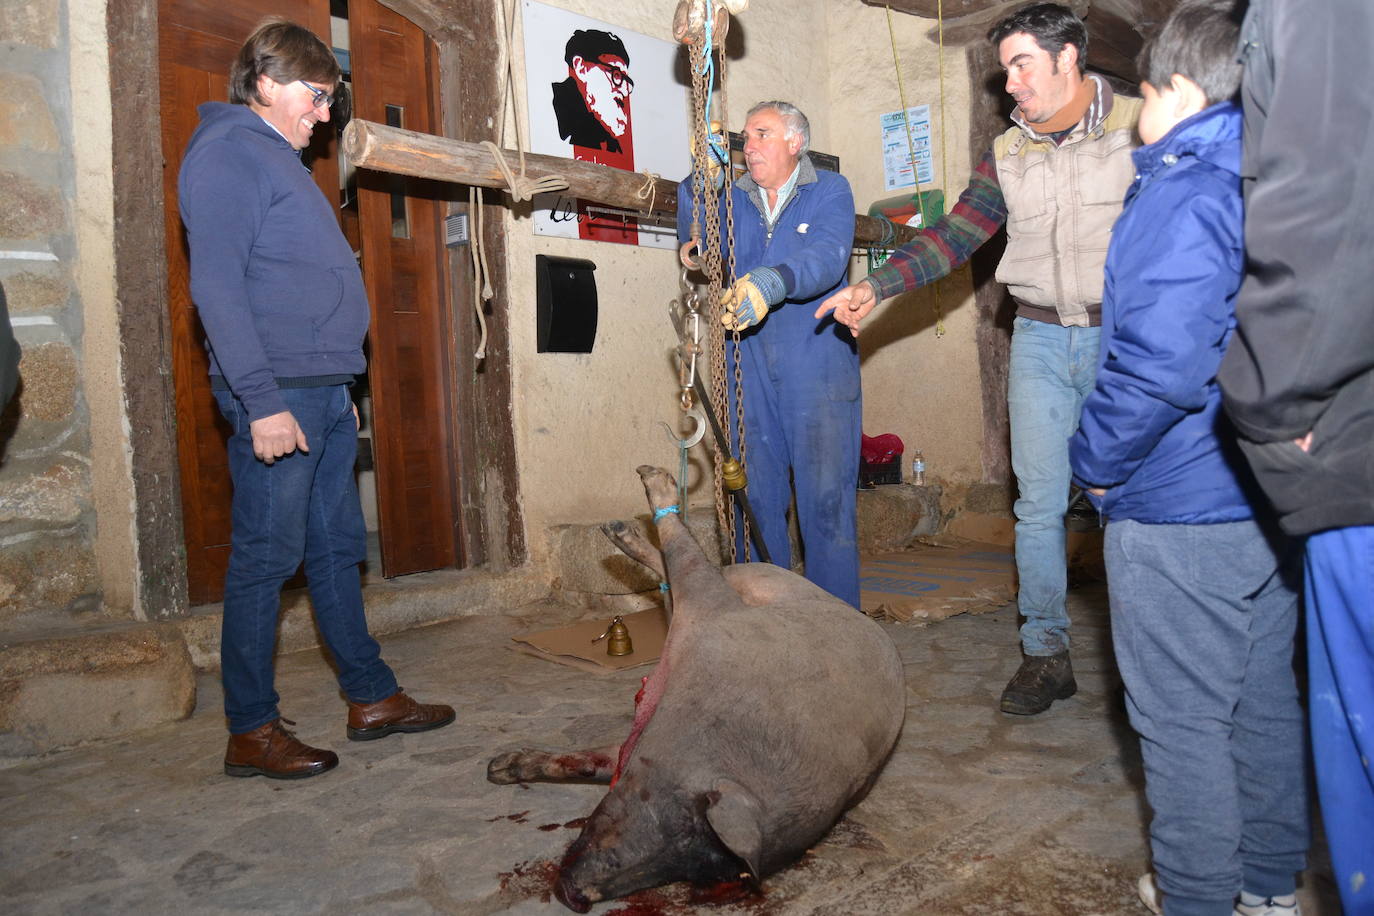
618 641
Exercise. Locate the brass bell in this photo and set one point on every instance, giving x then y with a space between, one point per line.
618 641
732 475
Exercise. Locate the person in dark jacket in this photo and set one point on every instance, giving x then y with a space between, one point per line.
794 229
1203 609
1299 380
282 301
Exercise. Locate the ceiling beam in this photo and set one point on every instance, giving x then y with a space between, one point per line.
1116 28
957 9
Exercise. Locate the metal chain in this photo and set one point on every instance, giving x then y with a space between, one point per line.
705 204
734 335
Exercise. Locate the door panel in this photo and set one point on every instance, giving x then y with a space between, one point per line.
396 81
197 41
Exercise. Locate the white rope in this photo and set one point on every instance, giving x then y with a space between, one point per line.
481 283
521 186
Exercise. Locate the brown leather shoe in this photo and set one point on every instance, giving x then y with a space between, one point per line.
397 713
270 750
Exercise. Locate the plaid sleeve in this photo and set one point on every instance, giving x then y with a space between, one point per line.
945 246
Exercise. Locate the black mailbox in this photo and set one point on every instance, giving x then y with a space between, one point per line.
566 292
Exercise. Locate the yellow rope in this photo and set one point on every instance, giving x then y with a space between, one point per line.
944 160
911 147
906 121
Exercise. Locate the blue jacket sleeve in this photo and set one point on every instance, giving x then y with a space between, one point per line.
224 199
820 261
1170 285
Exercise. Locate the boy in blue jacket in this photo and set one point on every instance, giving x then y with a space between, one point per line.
1203 613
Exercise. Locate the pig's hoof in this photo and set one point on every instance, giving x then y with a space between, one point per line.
508 768
659 486
615 530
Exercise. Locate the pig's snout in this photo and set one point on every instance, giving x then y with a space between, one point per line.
569 895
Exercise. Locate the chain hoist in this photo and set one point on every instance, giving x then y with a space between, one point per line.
702 24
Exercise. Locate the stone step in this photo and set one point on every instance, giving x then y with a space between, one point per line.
63 689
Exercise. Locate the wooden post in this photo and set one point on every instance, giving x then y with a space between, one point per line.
375 146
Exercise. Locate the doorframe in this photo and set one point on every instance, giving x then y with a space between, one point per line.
488 487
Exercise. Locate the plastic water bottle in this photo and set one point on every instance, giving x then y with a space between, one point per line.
918 469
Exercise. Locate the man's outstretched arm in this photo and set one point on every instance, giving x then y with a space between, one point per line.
934 253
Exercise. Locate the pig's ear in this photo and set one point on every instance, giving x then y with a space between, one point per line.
734 814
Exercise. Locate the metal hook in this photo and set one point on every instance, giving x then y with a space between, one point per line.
700 418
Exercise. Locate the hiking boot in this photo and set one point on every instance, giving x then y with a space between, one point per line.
1039 681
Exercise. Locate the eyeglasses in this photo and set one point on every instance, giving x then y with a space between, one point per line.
618 77
318 97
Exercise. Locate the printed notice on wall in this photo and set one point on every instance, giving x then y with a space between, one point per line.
897 150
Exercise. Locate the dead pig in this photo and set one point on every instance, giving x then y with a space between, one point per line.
771 711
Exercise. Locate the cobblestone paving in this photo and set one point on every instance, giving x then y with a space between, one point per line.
976 812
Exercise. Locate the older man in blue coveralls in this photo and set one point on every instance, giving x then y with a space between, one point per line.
794 229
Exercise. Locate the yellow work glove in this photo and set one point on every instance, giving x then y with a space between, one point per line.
747 302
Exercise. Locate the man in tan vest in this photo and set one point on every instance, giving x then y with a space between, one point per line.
1057 179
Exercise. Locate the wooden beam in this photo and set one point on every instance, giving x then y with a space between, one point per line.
933 9
966 21
1113 44
370 145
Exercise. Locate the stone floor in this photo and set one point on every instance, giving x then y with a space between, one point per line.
976 813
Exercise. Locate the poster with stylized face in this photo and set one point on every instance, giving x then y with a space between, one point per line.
586 80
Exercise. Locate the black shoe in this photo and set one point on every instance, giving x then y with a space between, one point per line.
1039 681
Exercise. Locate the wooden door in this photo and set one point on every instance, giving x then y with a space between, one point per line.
197 41
396 82
415 471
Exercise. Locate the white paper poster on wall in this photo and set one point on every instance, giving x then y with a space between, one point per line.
603 94
897 166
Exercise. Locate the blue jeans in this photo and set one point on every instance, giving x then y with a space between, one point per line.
302 508
1053 370
1203 620
1340 670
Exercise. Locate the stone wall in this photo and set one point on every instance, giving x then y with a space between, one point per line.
47 519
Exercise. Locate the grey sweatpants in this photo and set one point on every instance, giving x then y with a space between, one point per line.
1203 619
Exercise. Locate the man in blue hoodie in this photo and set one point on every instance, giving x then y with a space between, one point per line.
285 313
1203 609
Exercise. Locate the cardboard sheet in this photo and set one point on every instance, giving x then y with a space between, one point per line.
937 579
572 645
